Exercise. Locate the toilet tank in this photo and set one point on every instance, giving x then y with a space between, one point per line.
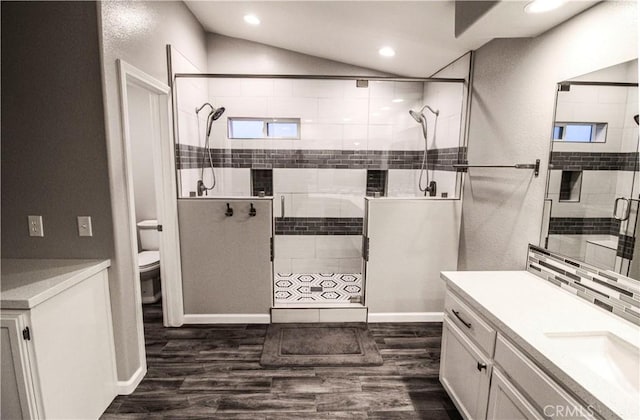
148 231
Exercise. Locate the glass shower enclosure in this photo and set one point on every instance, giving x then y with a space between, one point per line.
318 146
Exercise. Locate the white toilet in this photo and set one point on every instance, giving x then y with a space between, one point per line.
149 261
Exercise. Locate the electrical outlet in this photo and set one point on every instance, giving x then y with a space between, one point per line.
35 226
84 226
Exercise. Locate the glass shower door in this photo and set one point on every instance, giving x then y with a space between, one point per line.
318 228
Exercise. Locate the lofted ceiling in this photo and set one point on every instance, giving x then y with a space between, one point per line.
421 32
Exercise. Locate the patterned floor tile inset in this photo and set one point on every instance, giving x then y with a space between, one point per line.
317 287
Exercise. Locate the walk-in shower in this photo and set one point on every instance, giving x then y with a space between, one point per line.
352 140
429 187
213 115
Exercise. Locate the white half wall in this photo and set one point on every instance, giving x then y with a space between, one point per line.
410 242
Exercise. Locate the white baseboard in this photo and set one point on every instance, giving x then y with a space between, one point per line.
406 317
227 319
130 385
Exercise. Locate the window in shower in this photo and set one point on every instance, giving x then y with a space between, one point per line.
580 132
263 128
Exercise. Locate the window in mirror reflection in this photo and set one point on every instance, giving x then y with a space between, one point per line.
580 132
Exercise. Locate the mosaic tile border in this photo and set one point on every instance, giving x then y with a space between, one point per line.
319 225
613 292
188 157
584 226
317 288
594 161
626 245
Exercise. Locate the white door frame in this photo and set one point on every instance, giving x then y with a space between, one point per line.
167 205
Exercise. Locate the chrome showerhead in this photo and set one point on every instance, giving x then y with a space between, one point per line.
419 117
213 115
217 113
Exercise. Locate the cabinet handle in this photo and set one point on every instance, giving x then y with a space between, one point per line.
481 366
457 314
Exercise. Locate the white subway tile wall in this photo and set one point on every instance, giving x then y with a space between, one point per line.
335 115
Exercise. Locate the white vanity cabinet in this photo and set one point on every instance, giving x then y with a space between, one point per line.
487 377
58 357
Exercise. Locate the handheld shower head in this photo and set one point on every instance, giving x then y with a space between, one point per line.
213 115
217 113
419 117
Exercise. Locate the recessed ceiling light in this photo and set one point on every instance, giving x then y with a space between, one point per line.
541 6
386 52
252 19
397 100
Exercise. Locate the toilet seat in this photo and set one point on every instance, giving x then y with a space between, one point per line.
148 260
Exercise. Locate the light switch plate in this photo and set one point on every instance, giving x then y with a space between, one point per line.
84 226
35 226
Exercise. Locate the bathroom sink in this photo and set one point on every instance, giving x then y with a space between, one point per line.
611 358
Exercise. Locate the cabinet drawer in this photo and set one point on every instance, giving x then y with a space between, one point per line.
469 322
543 392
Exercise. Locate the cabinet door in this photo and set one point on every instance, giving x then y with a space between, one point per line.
506 403
18 397
464 372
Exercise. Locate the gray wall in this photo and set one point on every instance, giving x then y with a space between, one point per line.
136 32
54 158
513 96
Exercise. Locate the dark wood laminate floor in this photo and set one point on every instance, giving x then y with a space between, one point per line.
213 372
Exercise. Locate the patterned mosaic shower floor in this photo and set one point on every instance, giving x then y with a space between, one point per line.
336 288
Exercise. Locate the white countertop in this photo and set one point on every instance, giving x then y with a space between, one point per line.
26 283
525 307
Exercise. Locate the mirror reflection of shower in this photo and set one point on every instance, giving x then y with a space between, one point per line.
429 187
213 115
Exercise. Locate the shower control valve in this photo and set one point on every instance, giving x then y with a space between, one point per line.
229 211
252 210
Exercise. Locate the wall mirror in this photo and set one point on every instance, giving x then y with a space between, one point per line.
592 199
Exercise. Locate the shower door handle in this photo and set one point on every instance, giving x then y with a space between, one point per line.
282 206
626 212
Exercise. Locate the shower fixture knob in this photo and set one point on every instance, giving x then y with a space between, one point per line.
229 211
252 211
